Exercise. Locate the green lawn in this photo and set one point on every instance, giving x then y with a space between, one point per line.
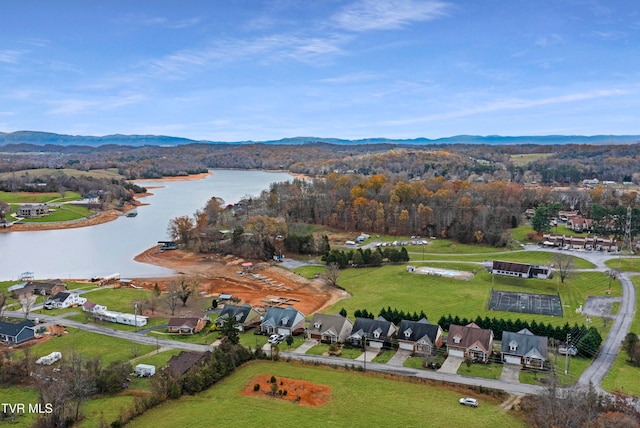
531 257
19 394
384 356
625 264
111 173
408 403
375 288
623 376
37 198
486 371
62 213
91 345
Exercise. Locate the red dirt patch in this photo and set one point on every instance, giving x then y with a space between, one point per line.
299 391
225 275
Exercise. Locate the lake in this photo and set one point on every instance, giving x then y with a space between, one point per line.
110 247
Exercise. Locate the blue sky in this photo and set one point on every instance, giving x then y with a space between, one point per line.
233 70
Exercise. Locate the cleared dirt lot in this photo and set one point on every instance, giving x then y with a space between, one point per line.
255 286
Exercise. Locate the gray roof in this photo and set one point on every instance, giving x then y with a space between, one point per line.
13 329
417 330
528 345
368 327
233 311
329 324
281 317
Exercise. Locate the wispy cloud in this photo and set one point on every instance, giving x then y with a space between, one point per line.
11 56
513 104
264 49
549 40
366 15
75 106
351 78
161 21
609 35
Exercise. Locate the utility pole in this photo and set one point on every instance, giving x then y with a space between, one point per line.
566 362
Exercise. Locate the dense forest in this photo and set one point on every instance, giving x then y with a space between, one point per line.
468 192
547 164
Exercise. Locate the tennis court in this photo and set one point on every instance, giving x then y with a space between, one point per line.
527 303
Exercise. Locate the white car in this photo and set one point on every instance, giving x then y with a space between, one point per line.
275 339
469 402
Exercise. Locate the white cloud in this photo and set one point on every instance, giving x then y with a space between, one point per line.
76 106
512 104
549 40
11 56
351 78
264 49
365 15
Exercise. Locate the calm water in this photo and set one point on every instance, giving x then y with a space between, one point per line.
109 248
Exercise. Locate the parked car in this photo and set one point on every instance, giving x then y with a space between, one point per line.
571 350
275 339
469 402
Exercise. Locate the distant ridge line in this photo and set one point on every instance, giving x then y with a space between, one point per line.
45 138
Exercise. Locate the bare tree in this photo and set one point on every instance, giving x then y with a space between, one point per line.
3 302
564 265
26 305
172 297
4 210
332 273
184 289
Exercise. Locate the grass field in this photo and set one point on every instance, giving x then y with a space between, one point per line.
530 257
36 197
357 400
64 212
623 376
625 264
91 345
377 288
111 173
526 158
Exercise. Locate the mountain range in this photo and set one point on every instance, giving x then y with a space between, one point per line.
45 138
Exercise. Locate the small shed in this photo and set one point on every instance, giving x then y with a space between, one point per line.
144 370
225 297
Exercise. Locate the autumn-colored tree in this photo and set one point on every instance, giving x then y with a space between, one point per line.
180 229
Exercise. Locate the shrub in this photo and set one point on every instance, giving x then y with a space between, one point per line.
256 387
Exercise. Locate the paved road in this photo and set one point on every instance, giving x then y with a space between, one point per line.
593 375
121 334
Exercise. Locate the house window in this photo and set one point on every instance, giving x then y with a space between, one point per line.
513 346
407 334
457 339
376 334
316 325
238 317
285 320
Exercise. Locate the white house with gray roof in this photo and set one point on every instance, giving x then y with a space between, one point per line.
329 328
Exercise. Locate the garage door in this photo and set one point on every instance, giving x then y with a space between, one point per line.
456 353
511 360
377 345
405 345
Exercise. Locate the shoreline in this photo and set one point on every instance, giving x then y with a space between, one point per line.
101 217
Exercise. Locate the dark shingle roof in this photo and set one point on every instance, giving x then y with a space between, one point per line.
418 330
526 343
12 329
181 363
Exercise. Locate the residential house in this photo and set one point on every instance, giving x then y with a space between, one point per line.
93 308
579 224
598 243
520 270
32 210
420 337
524 348
183 362
329 328
374 332
17 333
470 341
64 300
41 288
245 316
282 321
188 325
